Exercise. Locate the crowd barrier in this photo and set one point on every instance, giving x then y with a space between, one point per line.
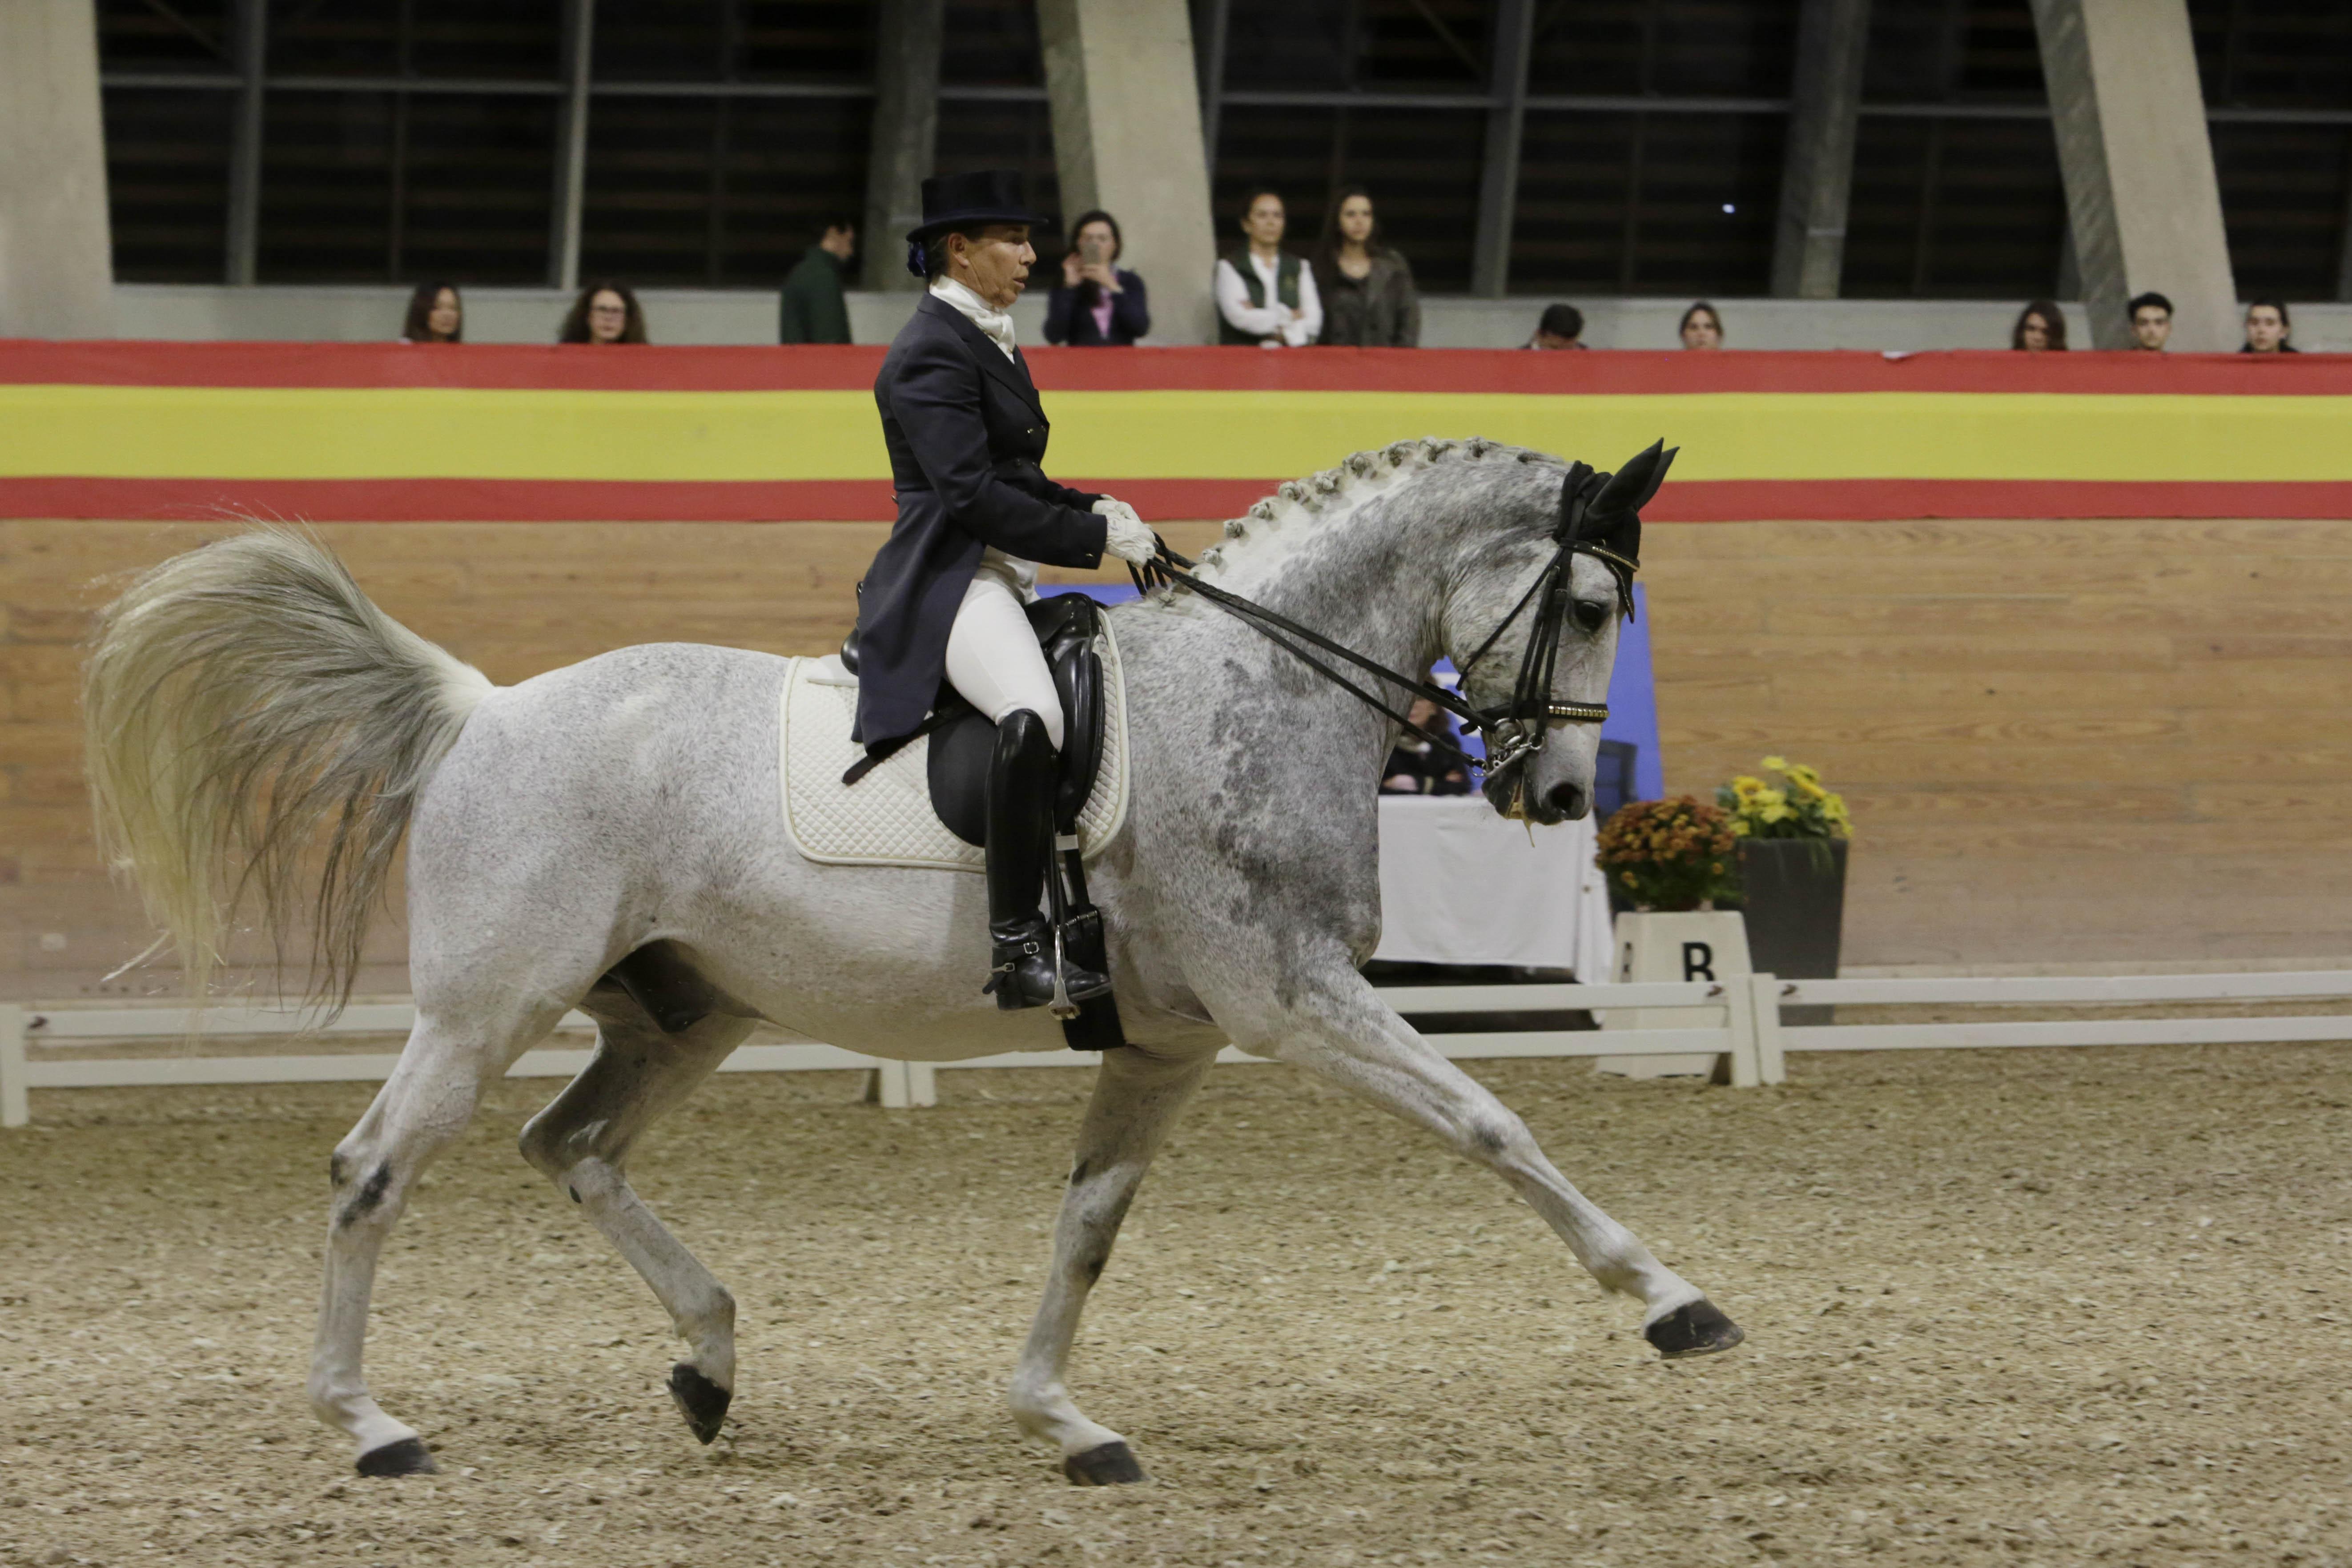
1749 1034
490 433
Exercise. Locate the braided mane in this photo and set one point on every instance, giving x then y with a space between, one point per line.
1321 499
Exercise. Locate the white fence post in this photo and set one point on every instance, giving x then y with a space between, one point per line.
1739 1015
1772 1062
15 1105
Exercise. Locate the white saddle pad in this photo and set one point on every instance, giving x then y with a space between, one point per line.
886 818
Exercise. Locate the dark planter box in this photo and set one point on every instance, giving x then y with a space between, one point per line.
1793 899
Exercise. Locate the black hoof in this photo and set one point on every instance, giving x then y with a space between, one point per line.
1112 1465
406 1458
702 1401
1698 1329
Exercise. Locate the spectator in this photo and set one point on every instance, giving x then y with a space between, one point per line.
1416 767
436 315
1560 327
2041 325
2266 329
1098 304
812 310
1366 288
2151 321
605 312
1702 328
1266 295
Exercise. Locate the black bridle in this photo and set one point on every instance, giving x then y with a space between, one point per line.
1600 516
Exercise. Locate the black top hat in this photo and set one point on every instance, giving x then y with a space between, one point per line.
991 196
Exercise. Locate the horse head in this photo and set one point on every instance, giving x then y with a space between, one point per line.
1534 628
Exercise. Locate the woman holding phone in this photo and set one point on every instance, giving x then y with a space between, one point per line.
1098 304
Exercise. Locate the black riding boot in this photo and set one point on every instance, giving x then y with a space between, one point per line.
1020 841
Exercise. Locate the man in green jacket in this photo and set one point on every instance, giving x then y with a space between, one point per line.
813 310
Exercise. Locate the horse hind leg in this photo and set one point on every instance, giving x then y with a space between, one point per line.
427 1101
582 1140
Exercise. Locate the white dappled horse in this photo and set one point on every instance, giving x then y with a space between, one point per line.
246 702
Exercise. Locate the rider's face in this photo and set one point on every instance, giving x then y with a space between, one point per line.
995 266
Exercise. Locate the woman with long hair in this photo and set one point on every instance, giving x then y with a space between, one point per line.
437 314
1368 298
2041 329
605 312
1097 303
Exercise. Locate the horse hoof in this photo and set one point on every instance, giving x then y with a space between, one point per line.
702 1401
406 1458
1698 1329
1112 1465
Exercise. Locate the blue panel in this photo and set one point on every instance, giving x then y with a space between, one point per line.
1632 694
1634 702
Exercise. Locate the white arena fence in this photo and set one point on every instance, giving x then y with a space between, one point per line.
1746 1030
25 1030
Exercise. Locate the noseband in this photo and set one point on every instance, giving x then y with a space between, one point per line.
1600 516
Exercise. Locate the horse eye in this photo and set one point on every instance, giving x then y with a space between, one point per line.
1591 615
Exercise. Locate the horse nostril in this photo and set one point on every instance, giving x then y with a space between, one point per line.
1567 799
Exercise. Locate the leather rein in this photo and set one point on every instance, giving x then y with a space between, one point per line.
1589 525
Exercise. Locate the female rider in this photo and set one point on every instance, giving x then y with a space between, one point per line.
945 595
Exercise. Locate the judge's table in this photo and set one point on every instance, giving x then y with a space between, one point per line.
1460 884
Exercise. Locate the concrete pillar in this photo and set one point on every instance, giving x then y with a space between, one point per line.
2344 255
563 215
908 37
1498 181
249 42
1126 119
1817 175
2141 197
57 262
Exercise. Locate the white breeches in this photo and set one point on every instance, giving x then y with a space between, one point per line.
993 654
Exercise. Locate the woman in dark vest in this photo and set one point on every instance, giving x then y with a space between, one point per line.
1266 295
944 598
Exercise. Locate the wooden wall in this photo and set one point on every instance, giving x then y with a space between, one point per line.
2062 740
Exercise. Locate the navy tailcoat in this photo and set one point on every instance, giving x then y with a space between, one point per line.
966 435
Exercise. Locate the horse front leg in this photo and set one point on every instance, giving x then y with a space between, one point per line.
1136 1101
1337 1027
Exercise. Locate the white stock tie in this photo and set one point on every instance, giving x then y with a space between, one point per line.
997 324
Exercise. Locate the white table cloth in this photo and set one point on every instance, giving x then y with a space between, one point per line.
1461 885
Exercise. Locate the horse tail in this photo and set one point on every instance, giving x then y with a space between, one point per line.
245 704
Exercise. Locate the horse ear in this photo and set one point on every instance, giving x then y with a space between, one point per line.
1629 489
1615 513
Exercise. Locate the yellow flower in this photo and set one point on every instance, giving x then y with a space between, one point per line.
1808 784
1778 813
1777 764
1746 786
1802 773
1768 798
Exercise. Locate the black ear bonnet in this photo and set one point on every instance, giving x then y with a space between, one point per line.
1600 514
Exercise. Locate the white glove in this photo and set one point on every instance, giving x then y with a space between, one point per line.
1126 535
